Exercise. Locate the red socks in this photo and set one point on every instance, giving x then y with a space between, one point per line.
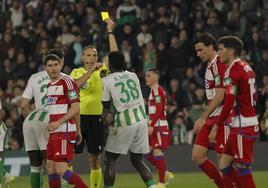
160 164
73 179
245 178
230 177
212 172
54 181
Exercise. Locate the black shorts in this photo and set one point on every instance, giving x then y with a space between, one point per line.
92 131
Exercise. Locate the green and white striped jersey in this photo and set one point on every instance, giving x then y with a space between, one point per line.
38 115
37 88
123 88
3 127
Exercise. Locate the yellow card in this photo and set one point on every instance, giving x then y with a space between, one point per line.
104 15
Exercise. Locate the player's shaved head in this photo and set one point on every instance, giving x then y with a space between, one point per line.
155 72
152 77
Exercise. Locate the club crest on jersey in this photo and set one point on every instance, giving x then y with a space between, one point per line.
72 95
227 81
51 100
217 80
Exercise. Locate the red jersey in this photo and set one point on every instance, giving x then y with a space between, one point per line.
60 95
157 109
214 77
240 94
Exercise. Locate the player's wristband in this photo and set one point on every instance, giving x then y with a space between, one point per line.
110 33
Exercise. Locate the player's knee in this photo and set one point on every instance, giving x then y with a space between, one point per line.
157 152
50 168
197 158
135 159
227 169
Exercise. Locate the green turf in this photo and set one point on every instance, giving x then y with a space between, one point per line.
181 180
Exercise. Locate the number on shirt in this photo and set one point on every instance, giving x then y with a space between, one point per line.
129 89
42 90
251 82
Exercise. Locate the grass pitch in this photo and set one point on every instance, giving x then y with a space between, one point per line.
181 180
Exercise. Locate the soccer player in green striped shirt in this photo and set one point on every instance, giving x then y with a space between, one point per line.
130 131
5 177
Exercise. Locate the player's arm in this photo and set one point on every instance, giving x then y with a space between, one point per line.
216 101
71 113
160 107
112 41
83 79
229 100
230 95
24 105
78 128
106 97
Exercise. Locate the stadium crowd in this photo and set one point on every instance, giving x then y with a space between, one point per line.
151 34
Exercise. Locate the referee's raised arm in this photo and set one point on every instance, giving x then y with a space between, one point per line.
112 41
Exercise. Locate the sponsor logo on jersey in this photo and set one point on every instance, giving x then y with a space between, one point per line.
157 99
51 100
72 95
227 81
231 90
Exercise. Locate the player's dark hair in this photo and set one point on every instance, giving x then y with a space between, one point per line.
232 42
54 55
56 52
207 39
116 61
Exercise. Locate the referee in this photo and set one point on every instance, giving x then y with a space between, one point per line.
89 81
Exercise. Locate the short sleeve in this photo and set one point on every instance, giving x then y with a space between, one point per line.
76 74
28 92
106 94
71 90
219 77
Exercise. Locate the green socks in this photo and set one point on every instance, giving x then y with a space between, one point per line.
36 177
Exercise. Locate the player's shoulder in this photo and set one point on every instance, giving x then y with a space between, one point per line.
67 80
39 75
77 71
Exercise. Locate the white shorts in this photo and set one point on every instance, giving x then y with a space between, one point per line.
34 131
133 138
2 139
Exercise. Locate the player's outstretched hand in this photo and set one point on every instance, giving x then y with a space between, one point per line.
213 133
79 137
110 25
199 123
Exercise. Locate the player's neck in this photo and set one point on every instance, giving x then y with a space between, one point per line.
53 80
213 56
154 85
231 60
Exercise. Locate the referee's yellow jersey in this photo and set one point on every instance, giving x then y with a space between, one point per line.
90 92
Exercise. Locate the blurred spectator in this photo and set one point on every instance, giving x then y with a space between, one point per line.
16 13
128 12
144 36
264 123
149 57
179 131
177 95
